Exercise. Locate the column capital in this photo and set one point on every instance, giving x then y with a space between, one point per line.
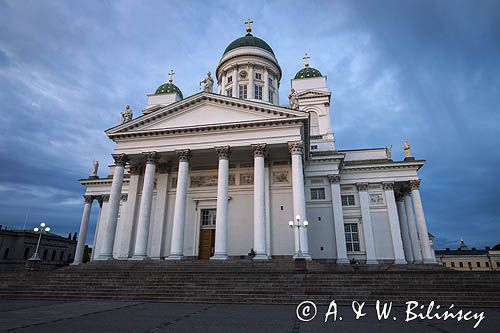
296 147
124 197
362 186
414 184
388 186
99 200
88 198
259 150
105 197
134 169
120 159
223 152
151 157
184 155
399 195
334 179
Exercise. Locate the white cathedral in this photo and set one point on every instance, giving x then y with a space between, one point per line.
231 174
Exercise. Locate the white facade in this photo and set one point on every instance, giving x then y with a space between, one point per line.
246 167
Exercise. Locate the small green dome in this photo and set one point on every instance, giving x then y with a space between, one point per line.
249 40
307 72
169 88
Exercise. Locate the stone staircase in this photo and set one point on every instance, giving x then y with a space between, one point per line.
245 281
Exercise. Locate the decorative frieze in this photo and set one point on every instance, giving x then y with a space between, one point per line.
296 147
184 155
151 157
209 180
223 152
362 186
246 179
259 150
376 199
388 186
281 177
120 159
414 184
334 179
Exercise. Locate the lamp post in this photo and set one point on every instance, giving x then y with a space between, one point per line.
298 225
33 263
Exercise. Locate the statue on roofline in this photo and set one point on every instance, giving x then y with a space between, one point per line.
208 83
127 115
293 100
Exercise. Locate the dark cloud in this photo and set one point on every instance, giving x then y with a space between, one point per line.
427 71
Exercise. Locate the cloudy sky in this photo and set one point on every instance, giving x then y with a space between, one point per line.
428 71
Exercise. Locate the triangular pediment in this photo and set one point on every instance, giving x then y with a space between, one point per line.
207 110
313 94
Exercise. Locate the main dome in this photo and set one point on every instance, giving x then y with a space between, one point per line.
168 88
249 40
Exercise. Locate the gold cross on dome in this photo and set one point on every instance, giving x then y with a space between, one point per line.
306 60
249 27
171 75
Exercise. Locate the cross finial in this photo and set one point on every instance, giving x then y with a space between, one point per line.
171 75
306 60
249 27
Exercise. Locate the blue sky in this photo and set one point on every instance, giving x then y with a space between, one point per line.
428 71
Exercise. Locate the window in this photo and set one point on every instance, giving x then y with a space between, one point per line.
487 264
45 253
229 79
469 264
452 264
26 253
317 194
348 200
351 236
258 76
478 264
243 91
271 96
313 147
258 92
461 264
229 92
53 255
208 217
444 264
6 253
270 81
61 256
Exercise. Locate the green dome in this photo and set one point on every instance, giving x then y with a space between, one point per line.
307 72
168 88
249 40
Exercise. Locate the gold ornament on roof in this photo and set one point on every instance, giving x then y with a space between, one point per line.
249 27
306 60
171 76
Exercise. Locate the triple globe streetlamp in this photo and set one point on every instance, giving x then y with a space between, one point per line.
297 224
43 229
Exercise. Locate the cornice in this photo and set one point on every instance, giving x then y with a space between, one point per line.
392 165
101 181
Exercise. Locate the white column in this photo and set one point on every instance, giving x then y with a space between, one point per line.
158 228
222 203
259 202
265 93
251 78
103 217
84 226
94 242
299 199
421 224
177 245
404 229
142 235
235 81
114 206
364 202
224 81
267 185
338 218
392 211
415 245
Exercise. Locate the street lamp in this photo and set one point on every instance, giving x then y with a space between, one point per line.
298 225
34 263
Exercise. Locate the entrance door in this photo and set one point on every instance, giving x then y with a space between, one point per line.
207 234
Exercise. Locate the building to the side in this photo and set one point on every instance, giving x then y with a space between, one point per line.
465 259
215 175
17 246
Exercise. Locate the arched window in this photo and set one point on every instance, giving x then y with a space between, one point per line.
26 253
314 123
69 257
6 253
61 256
53 255
45 253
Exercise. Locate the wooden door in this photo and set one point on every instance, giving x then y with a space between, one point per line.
207 243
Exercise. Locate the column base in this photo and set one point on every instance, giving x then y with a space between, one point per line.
219 256
75 263
400 262
139 257
305 256
371 262
174 257
417 262
429 262
260 257
343 261
104 257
